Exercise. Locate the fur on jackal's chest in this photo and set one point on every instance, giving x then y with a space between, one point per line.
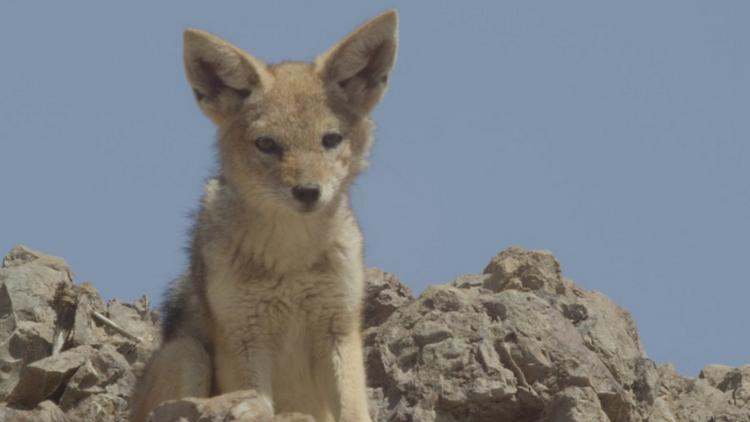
290 305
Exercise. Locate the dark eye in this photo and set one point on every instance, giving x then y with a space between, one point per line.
332 140
268 145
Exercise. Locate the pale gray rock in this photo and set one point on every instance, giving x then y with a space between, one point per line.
31 285
7 317
29 342
522 343
130 318
106 371
575 404
517 342
515 268
498 345
737 382
30 281
21 255
240 406
99 407
384 293
692 400
714 374
40 379
441 338
143 330
52 346
46 411
86 330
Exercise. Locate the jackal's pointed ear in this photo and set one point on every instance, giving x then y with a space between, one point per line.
358 66
222 75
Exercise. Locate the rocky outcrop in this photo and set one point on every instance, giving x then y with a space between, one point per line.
521 343
245 406
517 342
64 353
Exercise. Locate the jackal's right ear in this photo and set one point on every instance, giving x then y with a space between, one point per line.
358 66
222 75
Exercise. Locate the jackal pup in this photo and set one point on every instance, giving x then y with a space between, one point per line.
272 297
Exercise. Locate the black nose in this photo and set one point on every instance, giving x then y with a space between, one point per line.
308 193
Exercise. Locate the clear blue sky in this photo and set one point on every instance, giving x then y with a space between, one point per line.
615 134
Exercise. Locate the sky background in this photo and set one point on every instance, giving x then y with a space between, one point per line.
614 134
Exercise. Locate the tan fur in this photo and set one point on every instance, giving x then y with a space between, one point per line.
272 298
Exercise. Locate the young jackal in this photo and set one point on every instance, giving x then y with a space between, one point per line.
272 298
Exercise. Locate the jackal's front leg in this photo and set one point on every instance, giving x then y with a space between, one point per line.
180 368
351 379
241 365
344 371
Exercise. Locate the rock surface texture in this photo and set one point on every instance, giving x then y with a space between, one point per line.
65 355
515 343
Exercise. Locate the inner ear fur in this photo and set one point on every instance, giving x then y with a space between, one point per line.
222 76
358 66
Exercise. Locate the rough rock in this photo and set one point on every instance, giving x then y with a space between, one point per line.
106 371
245 406
56 354
517 342
45 377
100 407
46 411
30 283
699 400
384 294
85 329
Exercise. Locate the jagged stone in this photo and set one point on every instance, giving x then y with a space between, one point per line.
518 342
384 293
245 406
574 404
143 331
715 374
29 342
41 379
100 407
521 343
46 411
129 318
86 330
516 268
32 286
30 282
695 399
106 371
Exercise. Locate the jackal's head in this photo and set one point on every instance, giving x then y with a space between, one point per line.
293 135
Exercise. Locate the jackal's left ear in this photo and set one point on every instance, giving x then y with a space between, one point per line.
358 66
222 75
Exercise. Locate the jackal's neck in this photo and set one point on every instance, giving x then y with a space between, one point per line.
293 240
278 238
